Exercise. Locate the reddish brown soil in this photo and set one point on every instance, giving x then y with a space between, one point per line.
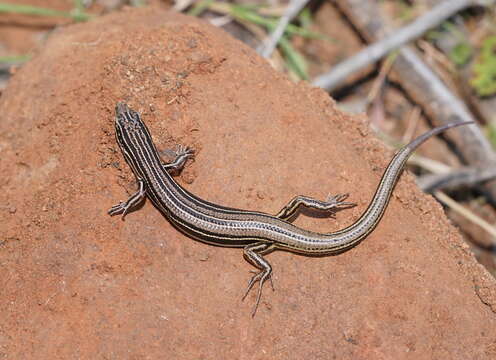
76 283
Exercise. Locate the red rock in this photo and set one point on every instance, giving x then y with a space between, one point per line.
76 283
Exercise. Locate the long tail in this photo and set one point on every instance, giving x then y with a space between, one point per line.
422 138
353 234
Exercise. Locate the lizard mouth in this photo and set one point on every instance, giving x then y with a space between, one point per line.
121 108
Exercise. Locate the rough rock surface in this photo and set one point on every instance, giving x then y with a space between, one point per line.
76 283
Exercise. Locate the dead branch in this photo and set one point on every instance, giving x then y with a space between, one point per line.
462 177
426 89
378 50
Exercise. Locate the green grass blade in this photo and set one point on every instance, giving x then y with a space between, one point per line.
199 7
247 14
39 11
295 61
14 59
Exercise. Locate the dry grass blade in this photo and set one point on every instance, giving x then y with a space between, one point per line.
469 215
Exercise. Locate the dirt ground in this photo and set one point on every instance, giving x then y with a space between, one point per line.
76 283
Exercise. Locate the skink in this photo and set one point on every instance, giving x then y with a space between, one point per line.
256 232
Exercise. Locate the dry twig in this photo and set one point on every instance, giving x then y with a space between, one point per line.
469 215
426 89
378 50
462 177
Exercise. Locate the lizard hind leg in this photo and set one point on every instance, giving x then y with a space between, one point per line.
253 253
331 204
